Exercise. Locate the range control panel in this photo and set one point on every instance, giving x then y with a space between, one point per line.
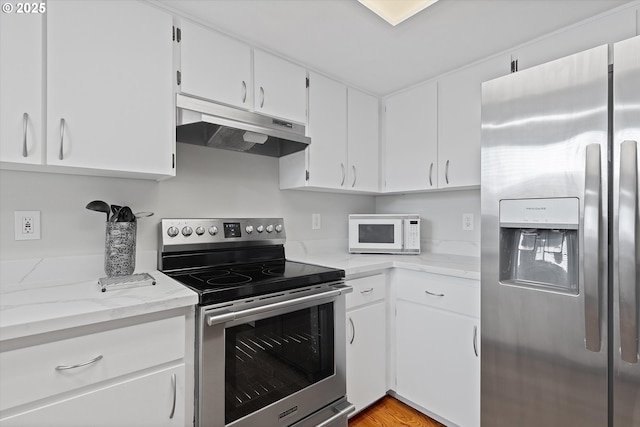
212 231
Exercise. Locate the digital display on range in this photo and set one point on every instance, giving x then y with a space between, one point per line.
232 229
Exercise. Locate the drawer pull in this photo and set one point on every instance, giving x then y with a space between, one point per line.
367 291
434 295
175 392
79 365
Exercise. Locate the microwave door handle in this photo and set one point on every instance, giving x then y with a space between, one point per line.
404 230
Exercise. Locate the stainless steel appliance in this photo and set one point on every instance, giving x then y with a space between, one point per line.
271 346
206 123
560 243
384 233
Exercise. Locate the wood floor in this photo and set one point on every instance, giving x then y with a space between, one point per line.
390 412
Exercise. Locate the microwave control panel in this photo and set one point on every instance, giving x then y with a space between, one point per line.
412 234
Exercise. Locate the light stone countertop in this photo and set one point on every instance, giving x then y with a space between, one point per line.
49 294
336 256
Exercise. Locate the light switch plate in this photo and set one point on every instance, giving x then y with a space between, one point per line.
27 225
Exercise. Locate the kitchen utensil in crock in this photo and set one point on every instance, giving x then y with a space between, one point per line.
99 206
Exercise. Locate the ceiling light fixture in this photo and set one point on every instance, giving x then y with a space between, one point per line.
396 11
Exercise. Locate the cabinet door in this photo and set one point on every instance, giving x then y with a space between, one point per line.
366 355
608 29
280 87
362 141
110 89
328 132
215 67
21 71
459 104
437 362
155 399
411 145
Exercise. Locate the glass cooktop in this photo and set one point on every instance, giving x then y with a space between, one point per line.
239 281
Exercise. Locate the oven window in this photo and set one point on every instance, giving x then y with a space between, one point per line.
375 233
270 359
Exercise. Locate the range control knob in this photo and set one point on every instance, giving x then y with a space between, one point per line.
269 228
249 229
199 230
187 231
278 228
260 228
213 230
172 231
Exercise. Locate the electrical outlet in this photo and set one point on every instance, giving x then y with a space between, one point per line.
27 225
316 221
467 221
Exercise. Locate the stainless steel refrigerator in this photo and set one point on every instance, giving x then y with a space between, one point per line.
560 243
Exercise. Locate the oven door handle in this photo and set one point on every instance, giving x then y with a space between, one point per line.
216 319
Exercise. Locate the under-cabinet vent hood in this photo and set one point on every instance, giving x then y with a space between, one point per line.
206 123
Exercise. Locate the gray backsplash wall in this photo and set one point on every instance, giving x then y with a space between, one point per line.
441 219
209 183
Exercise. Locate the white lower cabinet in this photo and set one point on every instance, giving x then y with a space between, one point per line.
437 338
366 341
113 374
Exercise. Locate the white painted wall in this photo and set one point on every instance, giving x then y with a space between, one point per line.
441 219
209 183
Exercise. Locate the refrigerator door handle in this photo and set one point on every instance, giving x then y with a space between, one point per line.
591 239
628 251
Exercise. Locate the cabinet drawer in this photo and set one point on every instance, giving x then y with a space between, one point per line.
39 371
365 290
444 292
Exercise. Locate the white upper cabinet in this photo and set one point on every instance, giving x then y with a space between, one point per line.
21 130
280 88
411 143
328 132
215 67
459 105
363 141
110 102
607 29
343 155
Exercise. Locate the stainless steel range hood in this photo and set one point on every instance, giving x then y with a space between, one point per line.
206 123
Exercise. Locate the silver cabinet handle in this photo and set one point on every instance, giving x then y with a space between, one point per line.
355 176
431 174
353 331
61 155
366 291
261 97
174 387
344 175
243 92
78 365
591 251
475 339
446 171
628 251
25 121
434 295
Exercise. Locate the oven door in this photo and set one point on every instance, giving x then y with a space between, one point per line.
272 364
376 235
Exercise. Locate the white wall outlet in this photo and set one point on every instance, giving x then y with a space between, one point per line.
316 221
27 225
467 221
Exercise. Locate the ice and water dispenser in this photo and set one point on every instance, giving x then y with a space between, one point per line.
539 244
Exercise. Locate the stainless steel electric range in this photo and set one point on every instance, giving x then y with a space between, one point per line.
270 345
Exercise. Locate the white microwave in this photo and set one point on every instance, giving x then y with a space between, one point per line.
384 234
